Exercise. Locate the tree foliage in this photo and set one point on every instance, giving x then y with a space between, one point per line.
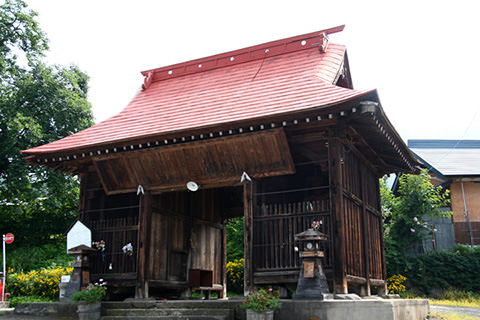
404 213
38 104
19 35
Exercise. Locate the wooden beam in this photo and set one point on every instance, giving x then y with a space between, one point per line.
336 205
361 140
356 280
377 282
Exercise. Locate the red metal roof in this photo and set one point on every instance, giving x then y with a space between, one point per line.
280 77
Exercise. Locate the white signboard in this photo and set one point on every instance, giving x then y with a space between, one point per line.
79 234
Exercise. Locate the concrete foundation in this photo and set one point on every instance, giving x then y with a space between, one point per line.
364 309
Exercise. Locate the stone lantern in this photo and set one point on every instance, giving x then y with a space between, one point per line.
312 283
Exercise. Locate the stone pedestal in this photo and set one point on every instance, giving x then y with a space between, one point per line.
315 287
81 271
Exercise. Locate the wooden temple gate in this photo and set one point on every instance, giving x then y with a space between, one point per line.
283 112
186 230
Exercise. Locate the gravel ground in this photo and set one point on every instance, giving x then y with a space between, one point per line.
473 312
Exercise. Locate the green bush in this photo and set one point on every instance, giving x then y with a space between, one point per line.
40 283
235 276
27 258
458 269
465 250
15 301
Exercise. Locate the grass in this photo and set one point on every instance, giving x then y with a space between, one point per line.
475 303
457 298
450 297
449 316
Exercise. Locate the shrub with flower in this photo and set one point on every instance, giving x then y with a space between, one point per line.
396 284
235 275
91 293
40 283
262 300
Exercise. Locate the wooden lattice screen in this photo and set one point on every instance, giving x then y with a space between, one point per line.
113 219
275 226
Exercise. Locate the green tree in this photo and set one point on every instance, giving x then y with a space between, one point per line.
404 213
235 239
38 104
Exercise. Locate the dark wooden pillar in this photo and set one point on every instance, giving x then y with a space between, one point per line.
144 220
383 289
83 195
248 229
335 163
223 294
365 289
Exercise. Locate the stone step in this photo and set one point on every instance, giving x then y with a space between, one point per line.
147 304
185 317
176 312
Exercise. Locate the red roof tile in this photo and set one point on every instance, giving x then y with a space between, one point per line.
292 76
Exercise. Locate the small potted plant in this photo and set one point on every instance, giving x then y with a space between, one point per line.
261 304
88 300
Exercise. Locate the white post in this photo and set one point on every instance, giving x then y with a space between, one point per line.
4 269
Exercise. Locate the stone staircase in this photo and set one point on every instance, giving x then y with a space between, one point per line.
178 310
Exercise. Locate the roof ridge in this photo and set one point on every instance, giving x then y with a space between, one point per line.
443 144
257 52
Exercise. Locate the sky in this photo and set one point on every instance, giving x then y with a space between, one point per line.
422 56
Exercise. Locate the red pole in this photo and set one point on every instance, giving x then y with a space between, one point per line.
4 269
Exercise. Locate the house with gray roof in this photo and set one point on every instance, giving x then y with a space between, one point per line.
456 165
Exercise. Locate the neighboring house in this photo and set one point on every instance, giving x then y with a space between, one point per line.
456 165
275 133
